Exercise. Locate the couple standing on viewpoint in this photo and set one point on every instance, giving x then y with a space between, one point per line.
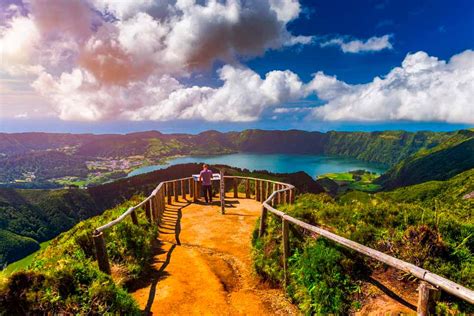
205 176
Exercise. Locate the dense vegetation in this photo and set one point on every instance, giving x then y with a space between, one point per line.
14 247
65 279
44 165
28 217
337 183
387 147
441 162
50 156
429 224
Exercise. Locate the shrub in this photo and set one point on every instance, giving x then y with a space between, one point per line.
65 279
318 282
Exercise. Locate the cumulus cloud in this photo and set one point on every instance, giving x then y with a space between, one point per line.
424 88
19 39
242 97
93 58
105 59
373 44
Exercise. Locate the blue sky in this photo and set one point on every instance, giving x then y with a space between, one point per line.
243 64
440 28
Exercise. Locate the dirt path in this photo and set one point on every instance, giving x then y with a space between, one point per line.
204 267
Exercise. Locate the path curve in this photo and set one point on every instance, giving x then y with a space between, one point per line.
204 266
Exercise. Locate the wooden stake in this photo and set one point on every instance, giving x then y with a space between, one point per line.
257 190
133 215
427 297
191 188
148 210
236 188
286 249
183 189
247 188
168 192
222 192
175 190
263 222
101 252
264 191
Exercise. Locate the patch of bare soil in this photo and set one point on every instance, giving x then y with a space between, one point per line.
386 295
204 265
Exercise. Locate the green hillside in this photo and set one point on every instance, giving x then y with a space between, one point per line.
14 247
387 147
28 217
429 224
454 155
42 160
65 279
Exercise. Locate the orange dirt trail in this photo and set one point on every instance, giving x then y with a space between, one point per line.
204 264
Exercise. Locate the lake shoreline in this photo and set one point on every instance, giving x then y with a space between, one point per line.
314 165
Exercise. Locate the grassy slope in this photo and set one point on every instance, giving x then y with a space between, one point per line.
428 224
387 147
64 277
24 262
442 162
355 180
39 215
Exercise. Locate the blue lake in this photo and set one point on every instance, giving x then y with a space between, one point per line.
314 165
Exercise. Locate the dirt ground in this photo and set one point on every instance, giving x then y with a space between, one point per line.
203 267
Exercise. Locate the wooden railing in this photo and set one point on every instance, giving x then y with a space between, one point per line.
272 193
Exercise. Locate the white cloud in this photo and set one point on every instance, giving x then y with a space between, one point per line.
133 66
242 97
424 88
18 47
373 44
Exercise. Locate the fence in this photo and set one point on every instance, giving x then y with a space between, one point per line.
272 193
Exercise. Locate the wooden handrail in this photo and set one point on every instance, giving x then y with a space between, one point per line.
279 189
133 208
422 274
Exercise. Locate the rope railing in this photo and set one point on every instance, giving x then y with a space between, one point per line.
271 193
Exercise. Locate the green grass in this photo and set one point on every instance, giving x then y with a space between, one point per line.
23 263
359 180
343 176
64 278
429 225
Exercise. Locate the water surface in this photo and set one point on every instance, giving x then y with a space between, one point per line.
314 165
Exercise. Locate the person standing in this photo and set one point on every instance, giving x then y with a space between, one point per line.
206 178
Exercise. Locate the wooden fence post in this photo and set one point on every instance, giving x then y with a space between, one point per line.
263 222
285 196
236 188
156 209
286 249
101 252
257 190
264 191
247 188
183 189
278 200
196 191
191 187
427 296
267 190
133 215
222 192
168 192
199 189
148 210
159 199
175 190
292 196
